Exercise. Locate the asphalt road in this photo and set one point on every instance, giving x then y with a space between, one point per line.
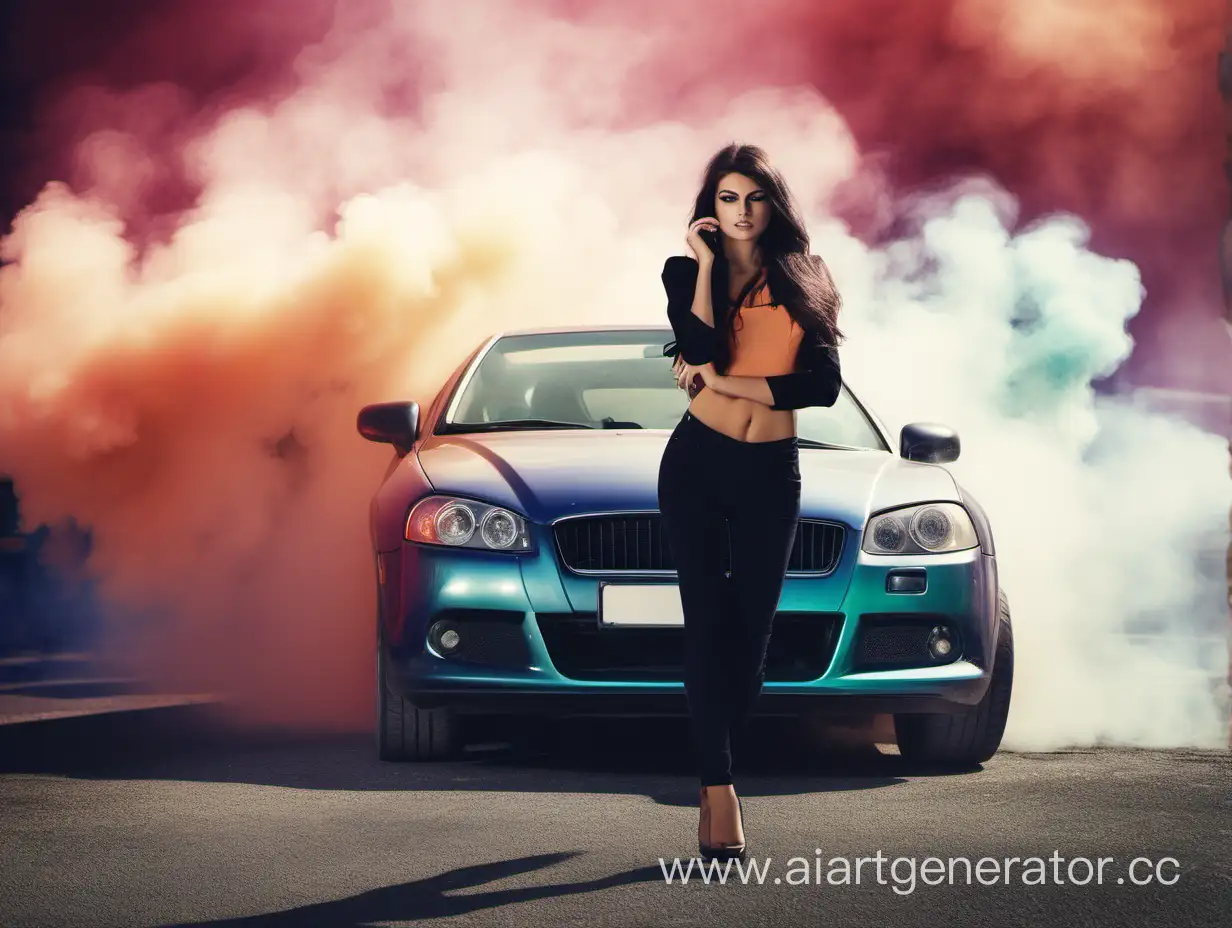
158 818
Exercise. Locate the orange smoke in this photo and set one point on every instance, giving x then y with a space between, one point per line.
198 411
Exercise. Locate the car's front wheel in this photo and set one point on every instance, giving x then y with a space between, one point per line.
404 731
973 735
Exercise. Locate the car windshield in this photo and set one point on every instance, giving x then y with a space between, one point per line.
613 379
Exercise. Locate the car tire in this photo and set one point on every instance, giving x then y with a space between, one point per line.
404 731
972 736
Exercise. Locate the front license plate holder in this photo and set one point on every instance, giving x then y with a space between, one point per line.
640 605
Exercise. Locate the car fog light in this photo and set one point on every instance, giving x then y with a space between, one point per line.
939 643
444 638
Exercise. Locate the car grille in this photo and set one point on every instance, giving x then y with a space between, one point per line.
613 544
801 646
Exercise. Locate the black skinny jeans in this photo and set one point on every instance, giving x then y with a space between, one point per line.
711 488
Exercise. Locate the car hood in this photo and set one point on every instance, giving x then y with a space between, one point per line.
548 474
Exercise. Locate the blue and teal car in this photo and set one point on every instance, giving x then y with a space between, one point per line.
522 569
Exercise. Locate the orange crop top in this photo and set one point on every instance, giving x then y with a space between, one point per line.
765 338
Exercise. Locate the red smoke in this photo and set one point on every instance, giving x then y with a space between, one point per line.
212 444
113 91
1109 111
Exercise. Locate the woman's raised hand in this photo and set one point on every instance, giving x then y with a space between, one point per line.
694 240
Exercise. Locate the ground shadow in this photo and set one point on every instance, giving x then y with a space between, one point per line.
426 899
648 757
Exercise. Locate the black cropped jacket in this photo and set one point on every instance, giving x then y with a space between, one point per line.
817 379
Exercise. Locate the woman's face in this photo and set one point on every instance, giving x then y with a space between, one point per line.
741 207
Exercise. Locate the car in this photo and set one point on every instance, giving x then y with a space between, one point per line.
522 569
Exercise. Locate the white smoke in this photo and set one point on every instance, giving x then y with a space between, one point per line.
1101 510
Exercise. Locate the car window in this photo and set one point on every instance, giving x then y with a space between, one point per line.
617 379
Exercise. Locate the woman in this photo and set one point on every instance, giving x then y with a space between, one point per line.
755 319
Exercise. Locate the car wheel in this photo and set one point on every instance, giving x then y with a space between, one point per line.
404 731
972 736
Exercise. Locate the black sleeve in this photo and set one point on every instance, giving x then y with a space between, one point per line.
816 381
695 340
818 377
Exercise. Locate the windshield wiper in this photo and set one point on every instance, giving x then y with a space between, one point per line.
515 424
813 443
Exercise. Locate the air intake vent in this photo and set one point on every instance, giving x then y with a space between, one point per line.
800 648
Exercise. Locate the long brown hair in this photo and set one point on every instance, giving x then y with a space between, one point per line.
799 281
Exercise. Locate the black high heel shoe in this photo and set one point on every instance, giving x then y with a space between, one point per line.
720 851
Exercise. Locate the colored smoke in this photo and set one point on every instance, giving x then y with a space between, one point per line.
260 219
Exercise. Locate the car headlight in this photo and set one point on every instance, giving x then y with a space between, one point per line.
927 528
464 523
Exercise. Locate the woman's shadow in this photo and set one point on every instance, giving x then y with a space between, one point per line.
427 898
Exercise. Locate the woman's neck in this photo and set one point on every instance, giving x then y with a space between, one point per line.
743 257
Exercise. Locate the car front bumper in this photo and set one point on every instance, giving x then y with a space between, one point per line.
510 694
422 583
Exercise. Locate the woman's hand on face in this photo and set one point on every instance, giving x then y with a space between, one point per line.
694 240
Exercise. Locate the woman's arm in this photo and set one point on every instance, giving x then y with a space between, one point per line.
818 377
689 310
816 384
739 386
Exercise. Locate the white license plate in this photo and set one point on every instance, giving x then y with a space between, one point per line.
640 605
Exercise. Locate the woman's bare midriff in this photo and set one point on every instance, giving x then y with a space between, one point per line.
741 419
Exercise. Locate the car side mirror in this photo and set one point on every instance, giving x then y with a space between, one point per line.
396 423
928 442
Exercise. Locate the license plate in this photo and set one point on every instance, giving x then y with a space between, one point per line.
650 605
